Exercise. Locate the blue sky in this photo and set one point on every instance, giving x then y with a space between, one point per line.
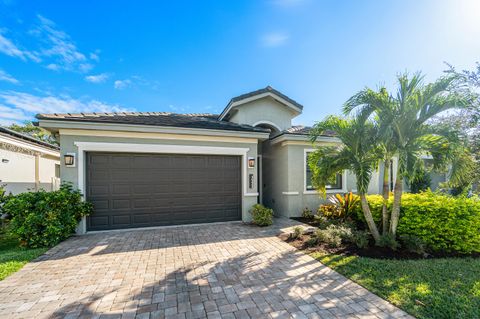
193 56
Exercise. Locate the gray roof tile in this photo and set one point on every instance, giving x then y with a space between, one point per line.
201 121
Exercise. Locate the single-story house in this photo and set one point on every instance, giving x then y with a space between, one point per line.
158 168
27 164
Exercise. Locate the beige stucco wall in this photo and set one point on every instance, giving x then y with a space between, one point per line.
18 175
288 197
70 174
264 110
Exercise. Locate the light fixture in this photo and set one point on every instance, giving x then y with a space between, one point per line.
69 159
251 162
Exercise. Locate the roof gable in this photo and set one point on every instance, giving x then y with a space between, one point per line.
260 94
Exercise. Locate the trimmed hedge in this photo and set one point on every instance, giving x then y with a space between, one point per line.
43 219
444 223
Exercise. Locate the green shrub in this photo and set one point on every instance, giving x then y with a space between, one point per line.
387 240
261 215
43 219
312 241
375 202
345 204
329 211
444 223
412 244
333 235
361 239
297 232
307 213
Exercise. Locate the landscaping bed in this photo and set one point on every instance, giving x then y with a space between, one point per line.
431 269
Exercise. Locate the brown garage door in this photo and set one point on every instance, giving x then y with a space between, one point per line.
140 190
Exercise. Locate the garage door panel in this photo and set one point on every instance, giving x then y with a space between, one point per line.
139 190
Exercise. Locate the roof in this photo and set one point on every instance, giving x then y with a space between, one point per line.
286 100
201 121
27 138
265 90
303 130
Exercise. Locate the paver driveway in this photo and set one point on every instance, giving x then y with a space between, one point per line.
215 271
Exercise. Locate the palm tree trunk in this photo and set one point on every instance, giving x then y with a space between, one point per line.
386 195
397 202
369 218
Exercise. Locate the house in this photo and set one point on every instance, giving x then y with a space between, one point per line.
27 163
155 168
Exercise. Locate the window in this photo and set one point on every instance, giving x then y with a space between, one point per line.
335 184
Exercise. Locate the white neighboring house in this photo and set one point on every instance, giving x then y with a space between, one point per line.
27 164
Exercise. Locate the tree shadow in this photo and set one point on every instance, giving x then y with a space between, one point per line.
254 284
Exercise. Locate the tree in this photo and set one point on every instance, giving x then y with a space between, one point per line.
358 153
35 131
403 120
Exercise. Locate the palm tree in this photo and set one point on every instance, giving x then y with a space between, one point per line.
358 153
403 121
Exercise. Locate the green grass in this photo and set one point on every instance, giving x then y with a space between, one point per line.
430 288
13 257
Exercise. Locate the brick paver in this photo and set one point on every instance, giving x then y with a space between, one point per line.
226 270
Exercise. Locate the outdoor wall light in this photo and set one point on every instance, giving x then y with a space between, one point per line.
69 159
251 162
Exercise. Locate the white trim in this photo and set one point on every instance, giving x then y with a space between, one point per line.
260 178
157 148
268 123
300 139
148 128
159 136
257 97
311 192
290 193
29 146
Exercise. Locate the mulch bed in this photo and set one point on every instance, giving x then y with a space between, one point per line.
351 250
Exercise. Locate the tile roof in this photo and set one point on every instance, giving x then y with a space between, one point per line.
194 120
27 138
303 130
265 90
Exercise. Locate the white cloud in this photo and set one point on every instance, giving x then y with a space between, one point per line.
122 84
53 46
4 76
20 106
95 56
99 78
9 48
274 39
58 45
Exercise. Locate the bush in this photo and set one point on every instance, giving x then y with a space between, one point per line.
329 211
333 235
412 244
444 223
375 202
420 182
297 232
345 204
361 239
307 213
388 241
43 219
261 215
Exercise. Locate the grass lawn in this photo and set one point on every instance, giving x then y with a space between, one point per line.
13 257
430 288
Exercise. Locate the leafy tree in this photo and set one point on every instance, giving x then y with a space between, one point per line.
35 131
404 129
358 153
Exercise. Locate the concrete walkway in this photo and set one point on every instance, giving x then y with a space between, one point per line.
217 271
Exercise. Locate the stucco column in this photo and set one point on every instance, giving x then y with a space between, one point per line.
37 172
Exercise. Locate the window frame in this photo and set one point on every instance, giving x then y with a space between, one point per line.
343 180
